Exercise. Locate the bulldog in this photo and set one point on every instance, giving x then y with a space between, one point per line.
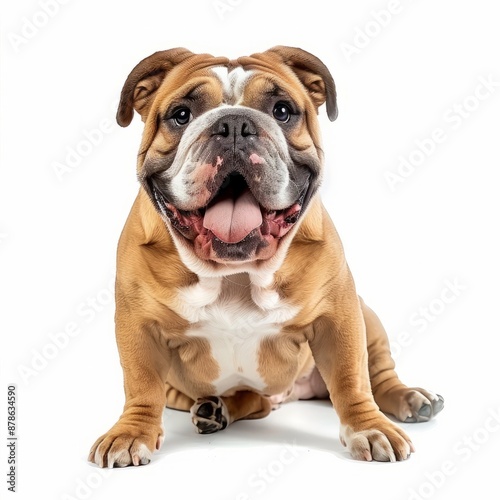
233 294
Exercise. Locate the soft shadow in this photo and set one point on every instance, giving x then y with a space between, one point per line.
314 427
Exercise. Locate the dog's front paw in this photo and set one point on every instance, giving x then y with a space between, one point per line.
382 441
125 445
209 415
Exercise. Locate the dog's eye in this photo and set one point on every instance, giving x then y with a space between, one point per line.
182 116
282 112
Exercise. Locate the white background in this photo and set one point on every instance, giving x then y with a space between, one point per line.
58 240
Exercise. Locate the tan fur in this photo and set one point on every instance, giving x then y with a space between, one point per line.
333 328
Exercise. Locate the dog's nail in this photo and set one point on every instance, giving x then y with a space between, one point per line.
159 442
135 460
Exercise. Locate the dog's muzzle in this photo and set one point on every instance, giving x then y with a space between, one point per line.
242 191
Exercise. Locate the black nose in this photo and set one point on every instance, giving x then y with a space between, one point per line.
234 128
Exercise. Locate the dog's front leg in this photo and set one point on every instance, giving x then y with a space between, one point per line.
139 430
339 348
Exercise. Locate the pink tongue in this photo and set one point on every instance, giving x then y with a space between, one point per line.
232 220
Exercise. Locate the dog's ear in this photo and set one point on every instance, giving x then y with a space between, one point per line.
313 74
144 80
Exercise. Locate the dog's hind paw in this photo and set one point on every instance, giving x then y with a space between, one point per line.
209 415
422 405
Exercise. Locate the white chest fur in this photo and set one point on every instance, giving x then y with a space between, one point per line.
234 315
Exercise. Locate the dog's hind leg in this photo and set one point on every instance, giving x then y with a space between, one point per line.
176 399
215 413
407 404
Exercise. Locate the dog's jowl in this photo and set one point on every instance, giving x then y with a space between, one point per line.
233 294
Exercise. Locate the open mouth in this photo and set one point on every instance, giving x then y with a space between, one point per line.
232 216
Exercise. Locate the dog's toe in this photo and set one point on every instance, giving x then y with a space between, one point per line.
209 415
438 404
423 405
122 447
385 443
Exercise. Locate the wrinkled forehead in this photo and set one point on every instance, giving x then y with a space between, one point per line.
231 85
241 86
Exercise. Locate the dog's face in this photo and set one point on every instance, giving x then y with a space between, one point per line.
231 154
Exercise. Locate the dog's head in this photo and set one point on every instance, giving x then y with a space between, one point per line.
230 155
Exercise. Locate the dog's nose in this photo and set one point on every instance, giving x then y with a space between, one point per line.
234 128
